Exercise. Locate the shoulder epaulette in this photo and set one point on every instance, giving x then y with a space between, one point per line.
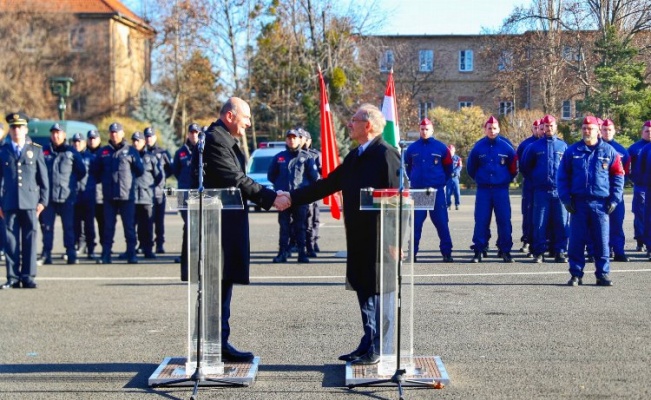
36 145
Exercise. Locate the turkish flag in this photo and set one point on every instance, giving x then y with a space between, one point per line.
329 150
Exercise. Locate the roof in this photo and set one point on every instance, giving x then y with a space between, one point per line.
108 7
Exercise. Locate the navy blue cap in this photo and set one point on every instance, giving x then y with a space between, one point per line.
137 136
92 134
293 132
306 134
56 127
18 118
115 127
194 127
149 132
77 137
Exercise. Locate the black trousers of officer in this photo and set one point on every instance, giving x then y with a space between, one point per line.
313 222
145 226
99 217
85 225
67 212
294 218
159 220
127 211
21 241
3 234
184 246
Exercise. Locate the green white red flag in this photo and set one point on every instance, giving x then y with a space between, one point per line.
329 150
391 133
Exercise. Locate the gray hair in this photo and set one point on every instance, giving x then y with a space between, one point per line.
372 114
233 104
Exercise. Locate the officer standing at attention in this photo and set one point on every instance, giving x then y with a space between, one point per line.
313 212
492 164
616 218
25 193
165 160
429 165
452 186
540 164
527 191
93 144
3 228
146 184
182 169
639 193
590 185
85 204
118 166
291 169
65 170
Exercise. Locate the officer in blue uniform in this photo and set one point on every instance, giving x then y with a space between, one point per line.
616 218
540 163
118 166
65 170
24 195
93 145
590 184
492 164
452 186
184 173
313 212
86 198
146 185
3 228
165 160
429 165
291 169
639 193
527 190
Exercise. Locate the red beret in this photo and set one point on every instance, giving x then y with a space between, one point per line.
590 120
607 122
491 120
647 123
548 119
425 122
600 121
536 122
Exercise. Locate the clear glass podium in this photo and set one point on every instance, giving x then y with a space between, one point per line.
210 221
394 222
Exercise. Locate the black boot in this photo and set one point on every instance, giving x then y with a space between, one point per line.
477 257
302 256
281 257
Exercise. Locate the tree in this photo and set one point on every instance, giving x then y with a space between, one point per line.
151 110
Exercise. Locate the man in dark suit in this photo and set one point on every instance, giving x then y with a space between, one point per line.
22 168
373 164
224 167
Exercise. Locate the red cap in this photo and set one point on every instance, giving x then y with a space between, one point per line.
536 122
590 120
491 120
600 121
607 122
548 119
647 123
425 122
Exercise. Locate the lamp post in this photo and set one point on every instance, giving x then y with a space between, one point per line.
60 86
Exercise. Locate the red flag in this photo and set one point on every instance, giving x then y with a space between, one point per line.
329 151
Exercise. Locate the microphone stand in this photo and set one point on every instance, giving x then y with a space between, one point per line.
199 375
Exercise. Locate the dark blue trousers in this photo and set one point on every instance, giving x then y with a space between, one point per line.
227 295
127 211
452 188
488 200
145 226
20 248
67 212
527 215
639 195
617 237
439 216
293 219
159 220
549 215
589 224
85 225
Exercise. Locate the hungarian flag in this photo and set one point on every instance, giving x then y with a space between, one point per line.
391 133
329 151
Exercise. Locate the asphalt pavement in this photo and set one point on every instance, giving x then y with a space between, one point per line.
511 331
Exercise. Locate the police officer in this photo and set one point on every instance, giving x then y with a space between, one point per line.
65 170
25 194
590 185
540 164
291 169
146 184
118 166
452 185
85 204
184 173
313 212
93 144
639 193
492 164
616 218
429 165
165 160
3 227
527 190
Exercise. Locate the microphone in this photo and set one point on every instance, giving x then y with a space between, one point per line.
201 143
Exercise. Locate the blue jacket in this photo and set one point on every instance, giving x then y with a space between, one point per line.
152 176
634 151
492 163
291 170
87 187
65 169
24 180
591 173
182 166
457 166
118 167
428 163
541 160
165 160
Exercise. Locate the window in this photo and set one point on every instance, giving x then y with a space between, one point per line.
505 61
426 60
79 105
570 53
465 60
578 109
386 62
463 104
506 107
423 109
566 109
77 38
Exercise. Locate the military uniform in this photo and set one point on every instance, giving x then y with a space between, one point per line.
158 200
145 188
639 192
313 212
616 218
527 195
24 185
86 206
452 185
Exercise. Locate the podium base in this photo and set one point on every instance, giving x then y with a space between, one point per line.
428 371
173 368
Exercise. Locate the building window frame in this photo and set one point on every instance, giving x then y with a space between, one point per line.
505 61
506 108
387 60
423 109
426 60
466 60
464 104
566 109
78 38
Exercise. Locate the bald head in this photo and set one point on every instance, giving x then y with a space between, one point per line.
236 115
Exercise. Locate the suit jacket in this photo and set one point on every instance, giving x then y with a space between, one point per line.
24 181
376 167
224 167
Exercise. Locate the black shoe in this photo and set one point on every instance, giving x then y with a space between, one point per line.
91 256
560 257
604 281
621 258
72 261
316 248
456 207
28 284
506 257
160 249
132 260
281 257
302 257
575 281
177 260
539 259
352 356
230 353
122 256
448 259
589 259
639 247
370 358
46 259
150 255
529 255
311 253
477 257
484 254
551 254
499 254
10 285
104 260
524 248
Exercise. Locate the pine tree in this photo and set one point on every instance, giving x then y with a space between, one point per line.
151 109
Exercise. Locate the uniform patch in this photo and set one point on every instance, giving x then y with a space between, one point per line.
30 154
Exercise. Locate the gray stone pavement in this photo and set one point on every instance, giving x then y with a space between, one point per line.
502 330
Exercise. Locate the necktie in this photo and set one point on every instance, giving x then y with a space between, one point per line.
19 151
360 150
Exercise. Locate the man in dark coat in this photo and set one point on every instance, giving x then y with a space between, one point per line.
373 164
224 167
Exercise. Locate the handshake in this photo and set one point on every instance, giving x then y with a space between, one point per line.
283 200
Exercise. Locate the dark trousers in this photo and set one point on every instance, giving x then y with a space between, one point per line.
589 224
184 246
452 188
227 295
127 210
439 216
47 218
617 236
85 225
488 200
145 226
549 215
292 219
21 241
3 234
159 220
99 217
527 215
370 310
639 195
312 225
